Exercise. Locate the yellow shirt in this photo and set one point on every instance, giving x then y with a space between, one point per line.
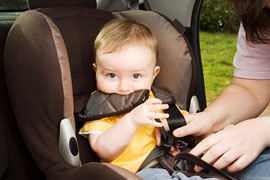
142 143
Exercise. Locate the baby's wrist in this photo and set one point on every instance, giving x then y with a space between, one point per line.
132 122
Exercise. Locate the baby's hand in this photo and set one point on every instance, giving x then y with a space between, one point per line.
174 151
145 113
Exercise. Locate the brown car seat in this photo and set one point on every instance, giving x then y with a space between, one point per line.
48 69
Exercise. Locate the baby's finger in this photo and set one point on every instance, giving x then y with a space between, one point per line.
155 115
156 107
153 101
158 136
154 123
198 168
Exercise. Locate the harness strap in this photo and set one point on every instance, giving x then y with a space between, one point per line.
198 161
175 120
154 154
180 28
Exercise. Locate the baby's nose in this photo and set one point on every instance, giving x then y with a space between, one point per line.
124 87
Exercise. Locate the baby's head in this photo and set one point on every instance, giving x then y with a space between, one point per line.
125 57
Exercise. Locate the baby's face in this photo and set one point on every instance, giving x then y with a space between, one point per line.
125 71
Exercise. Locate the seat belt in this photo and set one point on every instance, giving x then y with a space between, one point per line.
180 28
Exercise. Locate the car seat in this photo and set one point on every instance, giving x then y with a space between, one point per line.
48 72
15 160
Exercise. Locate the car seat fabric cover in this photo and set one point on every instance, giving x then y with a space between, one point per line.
43 70
40 88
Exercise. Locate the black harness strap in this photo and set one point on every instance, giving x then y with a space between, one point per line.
196 160
175 120
155 153
180 28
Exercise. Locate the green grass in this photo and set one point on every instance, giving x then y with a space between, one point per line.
217 51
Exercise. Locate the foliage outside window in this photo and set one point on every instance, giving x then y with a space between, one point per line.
218 16
13 5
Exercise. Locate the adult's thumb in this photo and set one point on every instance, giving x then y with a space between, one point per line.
182 131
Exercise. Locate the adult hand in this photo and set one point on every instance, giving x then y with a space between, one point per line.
234 147
197 124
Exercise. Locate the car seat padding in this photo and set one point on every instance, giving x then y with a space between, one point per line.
101 105
79 28
35 83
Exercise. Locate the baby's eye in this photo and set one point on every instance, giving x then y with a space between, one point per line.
111 75
136 76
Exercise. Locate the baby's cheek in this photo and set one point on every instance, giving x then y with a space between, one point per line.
105 87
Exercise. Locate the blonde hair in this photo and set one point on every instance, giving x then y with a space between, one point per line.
120 32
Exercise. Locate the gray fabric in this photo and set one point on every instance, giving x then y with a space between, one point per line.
179 175
162 174
102 105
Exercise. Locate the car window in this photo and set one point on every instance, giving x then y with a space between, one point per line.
13 5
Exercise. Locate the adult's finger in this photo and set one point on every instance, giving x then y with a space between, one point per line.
203 147
226 159
238 165
205 144
189 129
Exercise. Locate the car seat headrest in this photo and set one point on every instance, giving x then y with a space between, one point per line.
79 27
33 4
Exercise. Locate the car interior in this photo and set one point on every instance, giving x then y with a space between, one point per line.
46 55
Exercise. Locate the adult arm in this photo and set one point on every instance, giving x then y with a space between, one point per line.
238 145
241 100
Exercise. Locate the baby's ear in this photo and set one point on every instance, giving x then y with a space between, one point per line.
156 71
94 66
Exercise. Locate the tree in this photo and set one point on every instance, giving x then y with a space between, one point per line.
218 16
13 4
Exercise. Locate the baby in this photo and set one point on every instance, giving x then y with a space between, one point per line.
125 62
